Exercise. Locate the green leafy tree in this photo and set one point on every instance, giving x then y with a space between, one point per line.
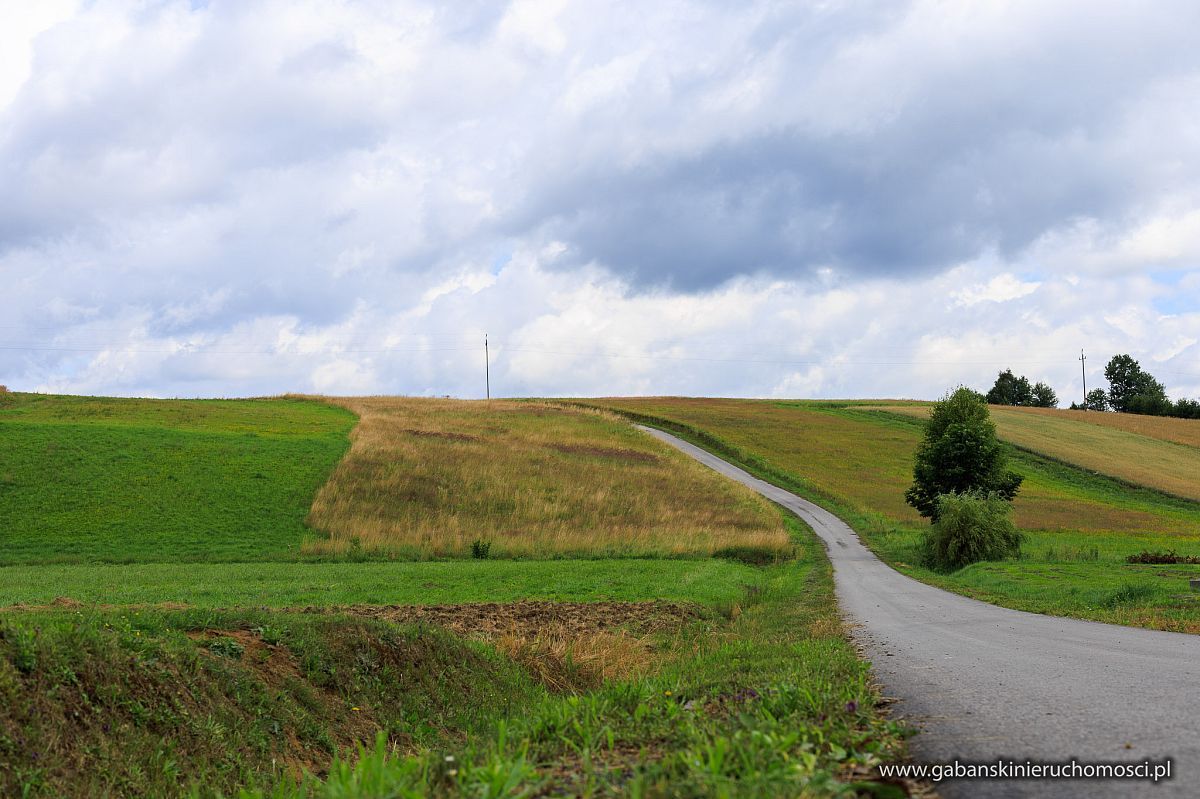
1096 400
971 527
1132 390
960 453
1010 390
1044 396
1186 408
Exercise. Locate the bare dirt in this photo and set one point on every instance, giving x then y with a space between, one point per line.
567 646
492 619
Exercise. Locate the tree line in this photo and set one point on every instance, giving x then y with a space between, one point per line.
1131 389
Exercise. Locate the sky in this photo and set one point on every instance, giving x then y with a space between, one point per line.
767 199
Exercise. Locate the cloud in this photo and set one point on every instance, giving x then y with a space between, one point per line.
750 198
1001 288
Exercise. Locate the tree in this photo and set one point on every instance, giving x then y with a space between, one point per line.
1010 390
1152 402
1096 400
1044 396
1186 409
1131 390
960 453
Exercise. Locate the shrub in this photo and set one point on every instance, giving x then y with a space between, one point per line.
971 527
1159 558
480 549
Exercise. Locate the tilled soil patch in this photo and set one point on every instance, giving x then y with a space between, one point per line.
568 646
493 619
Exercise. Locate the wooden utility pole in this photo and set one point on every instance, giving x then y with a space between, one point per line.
487 368
1083 369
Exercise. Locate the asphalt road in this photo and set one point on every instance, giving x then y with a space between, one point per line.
984 683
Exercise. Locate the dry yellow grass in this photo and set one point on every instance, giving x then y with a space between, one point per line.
565 660
1164 428
1156 456
427 478
870 464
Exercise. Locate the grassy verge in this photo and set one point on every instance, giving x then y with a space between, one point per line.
859 461
89 479
137 703
300 584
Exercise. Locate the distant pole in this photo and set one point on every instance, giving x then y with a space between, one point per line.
1083 369
487 368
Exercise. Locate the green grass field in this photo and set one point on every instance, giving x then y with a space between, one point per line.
87 479
153 548
857 461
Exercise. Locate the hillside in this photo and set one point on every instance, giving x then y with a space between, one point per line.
1156 452
249 610
121 480
857 461
855 453
429 478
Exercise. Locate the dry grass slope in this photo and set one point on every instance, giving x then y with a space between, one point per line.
870 464
1180 431
426 478
1150 451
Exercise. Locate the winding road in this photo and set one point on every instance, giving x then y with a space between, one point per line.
984 683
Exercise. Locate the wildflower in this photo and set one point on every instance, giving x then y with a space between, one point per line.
666 693
852 706
355 708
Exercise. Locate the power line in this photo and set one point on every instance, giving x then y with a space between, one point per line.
194 349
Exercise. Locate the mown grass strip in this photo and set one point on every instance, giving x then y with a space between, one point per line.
86 479
711 581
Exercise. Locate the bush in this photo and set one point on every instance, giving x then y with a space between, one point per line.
1161 558
971 527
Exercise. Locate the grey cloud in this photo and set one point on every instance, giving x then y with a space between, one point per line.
213 168
980 152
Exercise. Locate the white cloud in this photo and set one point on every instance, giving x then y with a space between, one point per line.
831 199
1001 288
22 23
